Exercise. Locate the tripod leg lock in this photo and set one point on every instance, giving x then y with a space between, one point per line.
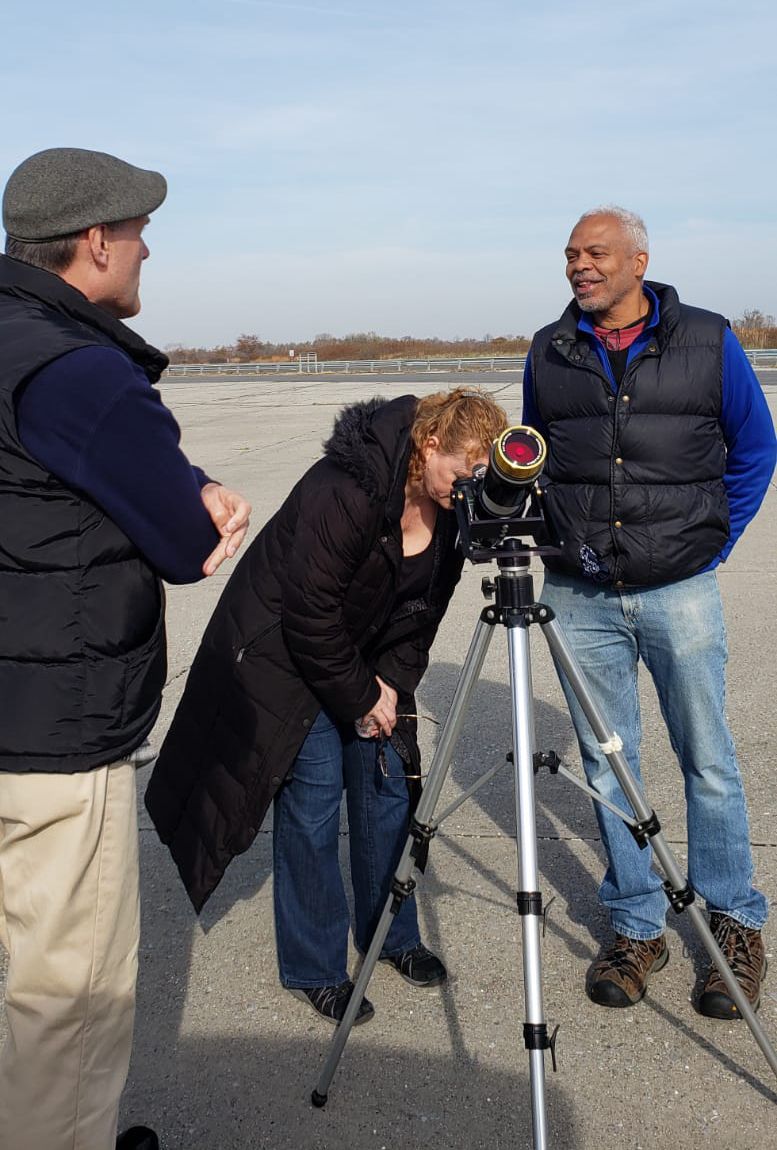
401 891
535 1037
643 831
422 834
679 899
529 902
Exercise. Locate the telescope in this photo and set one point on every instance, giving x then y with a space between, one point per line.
501 500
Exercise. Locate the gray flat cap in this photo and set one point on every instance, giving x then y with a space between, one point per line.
64 190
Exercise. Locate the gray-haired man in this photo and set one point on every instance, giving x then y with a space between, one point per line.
660 450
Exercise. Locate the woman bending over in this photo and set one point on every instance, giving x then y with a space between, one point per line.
326 622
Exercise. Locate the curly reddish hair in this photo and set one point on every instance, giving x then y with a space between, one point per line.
464 419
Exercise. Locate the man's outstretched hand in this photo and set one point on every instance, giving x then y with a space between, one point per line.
230 514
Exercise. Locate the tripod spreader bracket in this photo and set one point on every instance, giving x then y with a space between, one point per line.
401 891
539 759
679 899
535 1037
509 612
644 830
547 759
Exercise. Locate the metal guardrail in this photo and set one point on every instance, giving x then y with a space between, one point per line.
762 356
759 357
353 366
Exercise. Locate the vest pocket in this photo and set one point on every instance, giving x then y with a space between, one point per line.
145 670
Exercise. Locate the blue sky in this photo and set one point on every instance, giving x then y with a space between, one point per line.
413 167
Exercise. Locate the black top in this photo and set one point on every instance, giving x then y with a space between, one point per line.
415 574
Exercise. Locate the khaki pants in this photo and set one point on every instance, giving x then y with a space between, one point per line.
69 919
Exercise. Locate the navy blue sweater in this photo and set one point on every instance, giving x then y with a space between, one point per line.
93 419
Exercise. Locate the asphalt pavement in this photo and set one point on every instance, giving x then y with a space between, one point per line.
225 1059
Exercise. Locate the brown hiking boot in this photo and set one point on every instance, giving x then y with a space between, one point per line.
619 976
743 950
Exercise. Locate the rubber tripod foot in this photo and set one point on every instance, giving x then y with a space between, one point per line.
318 1100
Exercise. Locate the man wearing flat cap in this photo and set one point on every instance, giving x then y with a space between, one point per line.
98 504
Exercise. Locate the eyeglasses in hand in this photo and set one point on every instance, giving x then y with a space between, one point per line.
384 739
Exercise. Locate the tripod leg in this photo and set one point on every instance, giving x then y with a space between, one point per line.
677 889
529 897
402 884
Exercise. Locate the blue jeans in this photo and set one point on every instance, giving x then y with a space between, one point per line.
311 909
677 630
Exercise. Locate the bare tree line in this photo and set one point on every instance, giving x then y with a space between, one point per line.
358 345
754 328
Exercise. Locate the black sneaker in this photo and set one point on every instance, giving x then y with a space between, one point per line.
137 1138
418 966
331 1001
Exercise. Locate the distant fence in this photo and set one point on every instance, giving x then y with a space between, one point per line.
759 357
352 366
762 356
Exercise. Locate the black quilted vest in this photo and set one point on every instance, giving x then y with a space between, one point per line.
82 642
633 488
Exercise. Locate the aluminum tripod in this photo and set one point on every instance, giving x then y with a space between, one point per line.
516 610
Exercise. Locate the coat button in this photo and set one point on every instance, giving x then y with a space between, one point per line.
619 583
619 460
306 722
618 523
626 398
276 780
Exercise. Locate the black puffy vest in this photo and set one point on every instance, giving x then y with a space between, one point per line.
82 643
633 487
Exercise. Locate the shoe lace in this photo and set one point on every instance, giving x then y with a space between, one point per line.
327 997
629 956
418 951
734 940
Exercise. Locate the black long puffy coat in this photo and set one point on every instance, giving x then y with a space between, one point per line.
306 621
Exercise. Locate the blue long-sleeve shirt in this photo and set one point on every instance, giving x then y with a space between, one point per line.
745 420
92 418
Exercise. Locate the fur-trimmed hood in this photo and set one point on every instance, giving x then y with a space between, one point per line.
370 441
